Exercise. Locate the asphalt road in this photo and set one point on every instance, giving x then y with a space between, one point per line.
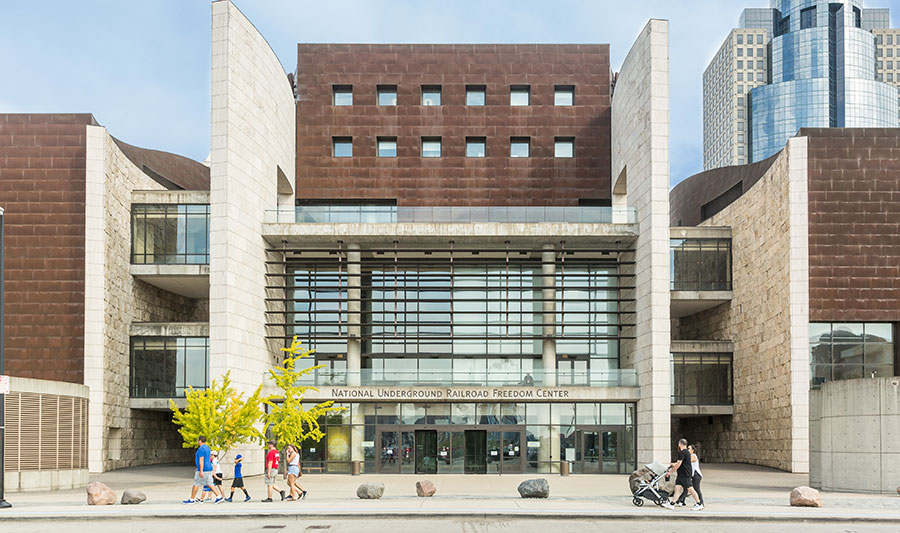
450 525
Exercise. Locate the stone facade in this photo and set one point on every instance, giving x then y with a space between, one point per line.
252 170
640 159
763 319
122 436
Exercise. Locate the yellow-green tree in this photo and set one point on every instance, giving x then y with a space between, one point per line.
222 415
288 421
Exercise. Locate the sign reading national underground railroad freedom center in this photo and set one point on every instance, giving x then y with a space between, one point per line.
437 394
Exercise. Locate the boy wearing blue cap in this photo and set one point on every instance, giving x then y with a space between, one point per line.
238 482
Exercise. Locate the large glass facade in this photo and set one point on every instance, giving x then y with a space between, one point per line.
700 264
463 321
170 234
167 367
852 350
475 438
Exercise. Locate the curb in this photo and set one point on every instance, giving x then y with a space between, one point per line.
370 514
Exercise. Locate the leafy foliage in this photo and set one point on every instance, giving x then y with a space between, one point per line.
221 415
289 423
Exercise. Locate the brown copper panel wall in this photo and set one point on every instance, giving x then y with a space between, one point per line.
854 224
42 188
454 179
186 173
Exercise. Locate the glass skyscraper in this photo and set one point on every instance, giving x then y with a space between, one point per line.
820 71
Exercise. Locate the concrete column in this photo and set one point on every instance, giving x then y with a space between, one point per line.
357 433
548 282
354 306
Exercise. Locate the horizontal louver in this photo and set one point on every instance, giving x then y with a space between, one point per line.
45 432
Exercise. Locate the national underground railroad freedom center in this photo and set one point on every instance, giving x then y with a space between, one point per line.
477 241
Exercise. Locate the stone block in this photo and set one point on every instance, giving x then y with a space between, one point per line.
534 488
99 494
425 489
370 491
133 497
805 497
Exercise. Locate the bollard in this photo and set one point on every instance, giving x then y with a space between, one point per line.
564 468
354 468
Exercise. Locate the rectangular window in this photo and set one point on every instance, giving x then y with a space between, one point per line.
475 95
740 52
890 39
564 147
387 95
387 147
760 65
342 95
519 146
851 350
890 52
890 65
740 39
749 52
519 95
740 64
564 95
759 39
740 76
760 52
431 95
431 147
475 146
890 77
808 18
759 76
342 146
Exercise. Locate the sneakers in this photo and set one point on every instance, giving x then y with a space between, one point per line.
668 505
219 500
190 500
680 504
247 499
267 500
697 507
228 499
303 496
282 494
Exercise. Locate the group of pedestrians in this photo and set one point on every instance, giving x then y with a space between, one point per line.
688 477
208 476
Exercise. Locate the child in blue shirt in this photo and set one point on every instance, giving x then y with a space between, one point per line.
238 482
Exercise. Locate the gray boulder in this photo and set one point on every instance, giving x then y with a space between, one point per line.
534 488
370 491
425 489
133 497
99 494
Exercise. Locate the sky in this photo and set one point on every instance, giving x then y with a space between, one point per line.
142 67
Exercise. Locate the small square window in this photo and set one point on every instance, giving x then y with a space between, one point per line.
387 95
475 146
519 95
387 147
564 147
431 147
740 64
564 95
475 95
342 146
342 95
431 95
519 146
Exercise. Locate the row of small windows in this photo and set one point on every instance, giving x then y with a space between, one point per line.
886 52
563 147
759 39
759 64
519 95
760 52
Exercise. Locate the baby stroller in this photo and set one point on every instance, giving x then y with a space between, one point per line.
650 489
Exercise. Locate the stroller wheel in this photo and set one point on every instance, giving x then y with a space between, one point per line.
638 502
660 501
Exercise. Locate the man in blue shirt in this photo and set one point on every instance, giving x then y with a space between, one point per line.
203 473
238 482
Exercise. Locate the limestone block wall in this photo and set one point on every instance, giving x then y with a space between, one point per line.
640 170
767 320
855 435
119 435
252 170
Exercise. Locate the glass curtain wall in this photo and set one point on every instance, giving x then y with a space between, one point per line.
702 379
169 234
167 367
700 264
851 350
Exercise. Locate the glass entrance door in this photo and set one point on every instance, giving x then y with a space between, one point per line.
600 450
389 442
426 452
475 457
512 452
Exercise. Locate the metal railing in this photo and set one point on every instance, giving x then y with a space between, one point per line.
381 214
702 379
605 378
700 264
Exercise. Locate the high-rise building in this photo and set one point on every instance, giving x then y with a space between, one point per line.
798 63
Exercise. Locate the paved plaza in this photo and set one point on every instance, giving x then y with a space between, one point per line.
732 493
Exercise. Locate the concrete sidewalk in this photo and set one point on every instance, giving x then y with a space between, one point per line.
733 492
